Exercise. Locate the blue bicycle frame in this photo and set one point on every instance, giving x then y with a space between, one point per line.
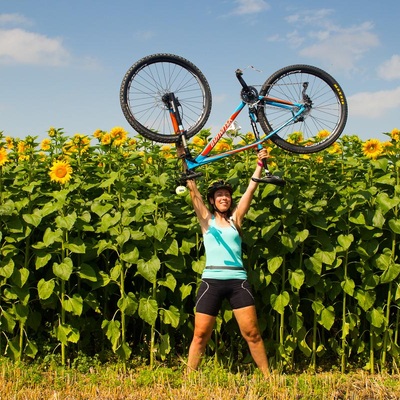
204 156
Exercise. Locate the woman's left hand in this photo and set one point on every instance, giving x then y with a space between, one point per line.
263 153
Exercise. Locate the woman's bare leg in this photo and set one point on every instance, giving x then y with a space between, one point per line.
248 324
203 327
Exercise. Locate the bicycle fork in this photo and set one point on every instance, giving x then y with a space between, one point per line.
172 103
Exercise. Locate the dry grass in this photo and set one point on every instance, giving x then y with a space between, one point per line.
108 383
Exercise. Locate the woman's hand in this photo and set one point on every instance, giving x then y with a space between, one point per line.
263 153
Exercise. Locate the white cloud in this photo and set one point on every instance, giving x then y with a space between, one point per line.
343 48
13 19
334 45
390 69
309 17
295 39
245 7
374 104
18 46
274 38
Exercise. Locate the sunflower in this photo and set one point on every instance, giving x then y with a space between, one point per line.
98 133
387 148
395 134
9 142
60 171
106 139
335 148
199 142
250 136
67 148
166 151
118 135
3 156
52 131
222 145
322 134
45 145
22 147
296 137
42 156
132 143
247 138
79 144
372 148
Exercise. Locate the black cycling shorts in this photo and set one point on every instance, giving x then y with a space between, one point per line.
213 291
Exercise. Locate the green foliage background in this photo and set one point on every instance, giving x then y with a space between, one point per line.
109 262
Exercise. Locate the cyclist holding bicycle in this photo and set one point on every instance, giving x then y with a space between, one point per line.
224 275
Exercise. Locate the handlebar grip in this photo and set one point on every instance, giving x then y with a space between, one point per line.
272 179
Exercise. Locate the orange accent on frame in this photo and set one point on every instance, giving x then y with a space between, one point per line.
174 123
278 100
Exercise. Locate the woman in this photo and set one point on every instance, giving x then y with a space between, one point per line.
224 275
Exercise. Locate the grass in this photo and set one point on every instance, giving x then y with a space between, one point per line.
107 382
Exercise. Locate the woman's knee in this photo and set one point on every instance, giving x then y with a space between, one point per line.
252 335
201 336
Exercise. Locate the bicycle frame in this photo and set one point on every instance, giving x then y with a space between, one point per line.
204 157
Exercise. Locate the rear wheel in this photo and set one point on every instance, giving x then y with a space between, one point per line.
154 76
320 126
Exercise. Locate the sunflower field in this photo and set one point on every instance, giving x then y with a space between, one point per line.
100 256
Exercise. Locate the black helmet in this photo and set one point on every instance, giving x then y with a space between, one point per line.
218 185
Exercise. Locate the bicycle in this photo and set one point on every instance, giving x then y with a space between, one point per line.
167 99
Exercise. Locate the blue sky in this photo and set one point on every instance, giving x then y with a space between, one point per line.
62 62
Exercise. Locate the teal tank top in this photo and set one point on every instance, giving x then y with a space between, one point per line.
223 248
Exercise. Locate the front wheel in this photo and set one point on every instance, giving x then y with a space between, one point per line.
146 84
323 121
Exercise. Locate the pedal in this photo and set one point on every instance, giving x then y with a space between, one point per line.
272 179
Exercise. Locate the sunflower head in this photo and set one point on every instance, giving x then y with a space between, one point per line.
118 136
3 156
395 134
166 151
98 133
322 134
60 171
9 142
132 143
22 147
199 142
106 139
79 144
45 145
335 148
223 145
372 148
388 148
52 132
